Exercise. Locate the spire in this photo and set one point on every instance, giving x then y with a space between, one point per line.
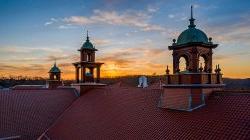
55 63
87 35
191 11
191 25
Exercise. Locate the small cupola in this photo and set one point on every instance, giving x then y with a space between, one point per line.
54 77
55 69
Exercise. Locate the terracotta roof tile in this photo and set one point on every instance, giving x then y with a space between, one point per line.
132 113
28 113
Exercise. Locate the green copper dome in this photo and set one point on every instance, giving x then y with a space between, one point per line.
192 34
87 44
55 69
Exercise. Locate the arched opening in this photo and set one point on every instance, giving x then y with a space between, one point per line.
202 62
183 64
89 57
89 75
54 77
87 70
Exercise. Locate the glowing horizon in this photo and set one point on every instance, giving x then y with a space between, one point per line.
132 39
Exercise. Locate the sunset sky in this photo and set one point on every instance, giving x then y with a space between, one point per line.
132 36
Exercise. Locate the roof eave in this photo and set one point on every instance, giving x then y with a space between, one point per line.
54 72
87 49
209 45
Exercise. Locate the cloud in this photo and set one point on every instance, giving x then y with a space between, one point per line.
51 21
68 26
152 9
65 65
128 18
196 5
231 56
29 67
119 62
171 16
48 23
101 42
132 60
184 18
238 32
78 20
55 58
25 49
22 54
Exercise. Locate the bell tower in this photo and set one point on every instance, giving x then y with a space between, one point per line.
85 67
188 88
193 44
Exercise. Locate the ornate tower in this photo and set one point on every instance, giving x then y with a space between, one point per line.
191 45
187 89
87 63
54 77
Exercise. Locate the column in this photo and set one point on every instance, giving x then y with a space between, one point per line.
174 62
210 61
98 74
205 69
93 57
51 76
195 59
92 73
77 74
58 77
83 71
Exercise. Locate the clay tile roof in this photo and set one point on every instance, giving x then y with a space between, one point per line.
132 113
28 113
28 87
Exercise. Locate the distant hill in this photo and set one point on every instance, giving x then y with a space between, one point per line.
133 81
237 83
126 80
6 83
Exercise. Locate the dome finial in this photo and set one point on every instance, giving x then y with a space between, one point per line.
191 11
87 35
55 63
192 25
